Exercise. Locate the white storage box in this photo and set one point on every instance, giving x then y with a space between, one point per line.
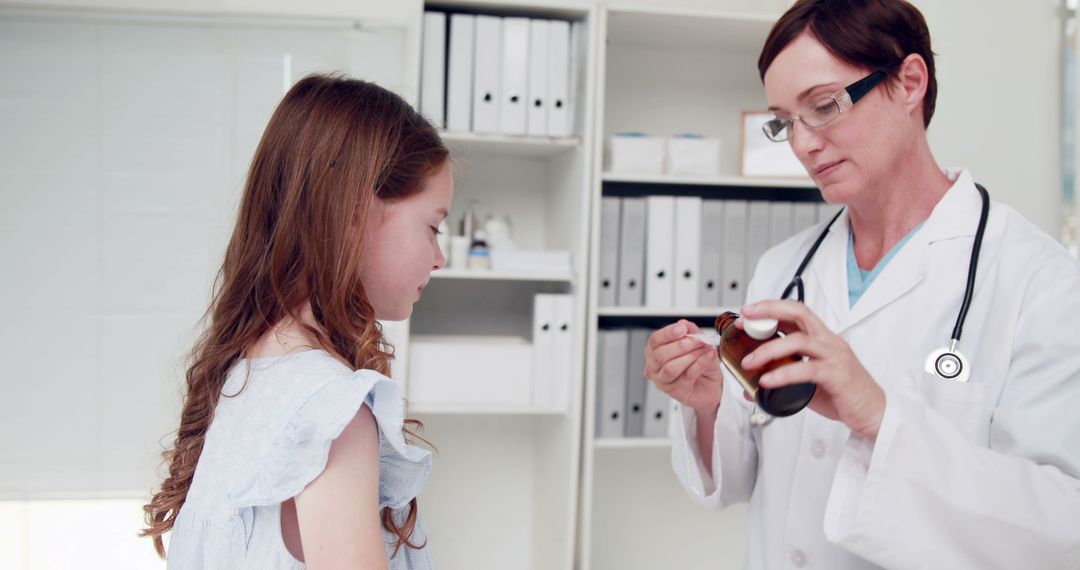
457 371
530 261
693 155
637 153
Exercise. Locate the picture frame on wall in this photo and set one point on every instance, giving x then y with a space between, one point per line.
761 157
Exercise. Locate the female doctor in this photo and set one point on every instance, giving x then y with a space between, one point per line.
901 460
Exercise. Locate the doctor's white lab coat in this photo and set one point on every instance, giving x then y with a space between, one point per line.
984 474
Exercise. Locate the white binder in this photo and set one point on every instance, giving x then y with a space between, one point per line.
433 69
487 59
636 383
515 76
826 211
459 82
559 79
735 212
611 360
687 250
780 215
757 234
710 280
610 212
537 103
565 356
805 216
659 251
544 369
579 57
631 289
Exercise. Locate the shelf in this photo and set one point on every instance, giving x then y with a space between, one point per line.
550 9
663 312
471 409
632 443
719 181
687 29
492 275
505 145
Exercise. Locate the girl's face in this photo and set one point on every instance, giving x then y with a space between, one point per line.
851 155
401 249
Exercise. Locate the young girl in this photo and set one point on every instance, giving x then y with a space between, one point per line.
291 450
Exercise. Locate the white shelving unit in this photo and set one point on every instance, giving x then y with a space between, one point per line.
719 181
527 486
634 513
674 312
491 275
504 489
528 147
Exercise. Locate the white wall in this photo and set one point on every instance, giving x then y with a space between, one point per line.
388 11
999 103
123 152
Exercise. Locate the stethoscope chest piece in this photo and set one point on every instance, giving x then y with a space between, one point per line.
948 364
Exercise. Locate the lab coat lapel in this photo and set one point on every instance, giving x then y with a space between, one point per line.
955 215
825 278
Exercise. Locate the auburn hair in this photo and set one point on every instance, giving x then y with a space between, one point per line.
332 147
871 34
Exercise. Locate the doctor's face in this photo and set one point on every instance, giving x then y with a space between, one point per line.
848 156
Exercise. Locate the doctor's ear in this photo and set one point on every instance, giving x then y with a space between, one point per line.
912 80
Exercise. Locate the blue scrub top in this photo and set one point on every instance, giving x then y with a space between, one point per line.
858 280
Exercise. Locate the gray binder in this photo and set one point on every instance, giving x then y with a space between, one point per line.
780 214
805 215
610 210
757 234
611 382
636 383
826 211
712 253
735 212
657 411
631 291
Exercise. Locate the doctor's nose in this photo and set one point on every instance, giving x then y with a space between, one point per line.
804 141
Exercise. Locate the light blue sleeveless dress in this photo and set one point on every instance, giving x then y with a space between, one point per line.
268 441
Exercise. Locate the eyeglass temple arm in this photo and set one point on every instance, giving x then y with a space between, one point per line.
862 87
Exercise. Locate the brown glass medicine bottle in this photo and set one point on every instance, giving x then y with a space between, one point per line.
735 344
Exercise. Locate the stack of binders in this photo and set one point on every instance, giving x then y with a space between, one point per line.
627 403
494 75
685 252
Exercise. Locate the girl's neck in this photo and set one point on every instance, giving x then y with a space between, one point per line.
286 336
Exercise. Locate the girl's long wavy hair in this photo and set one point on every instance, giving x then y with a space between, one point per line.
333 146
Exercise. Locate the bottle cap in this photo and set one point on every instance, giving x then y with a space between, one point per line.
760 329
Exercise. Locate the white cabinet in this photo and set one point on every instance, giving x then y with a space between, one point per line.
665 71
504 488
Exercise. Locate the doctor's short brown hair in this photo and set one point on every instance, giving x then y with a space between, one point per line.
873 34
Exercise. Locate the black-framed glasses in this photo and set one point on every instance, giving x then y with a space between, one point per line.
824 110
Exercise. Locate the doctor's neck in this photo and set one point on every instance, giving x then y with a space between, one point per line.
899 199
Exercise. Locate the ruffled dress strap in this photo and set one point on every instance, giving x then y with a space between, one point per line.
299 453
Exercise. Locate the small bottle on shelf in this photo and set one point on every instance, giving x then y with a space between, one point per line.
479 254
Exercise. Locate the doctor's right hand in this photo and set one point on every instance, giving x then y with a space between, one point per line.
685 368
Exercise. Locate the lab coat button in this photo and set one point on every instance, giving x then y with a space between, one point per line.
798 558
817 449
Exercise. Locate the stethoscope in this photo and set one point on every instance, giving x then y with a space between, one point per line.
947 362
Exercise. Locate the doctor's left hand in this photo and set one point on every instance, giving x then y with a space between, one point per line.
845 390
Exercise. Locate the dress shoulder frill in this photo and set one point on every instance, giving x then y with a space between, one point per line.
299 453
